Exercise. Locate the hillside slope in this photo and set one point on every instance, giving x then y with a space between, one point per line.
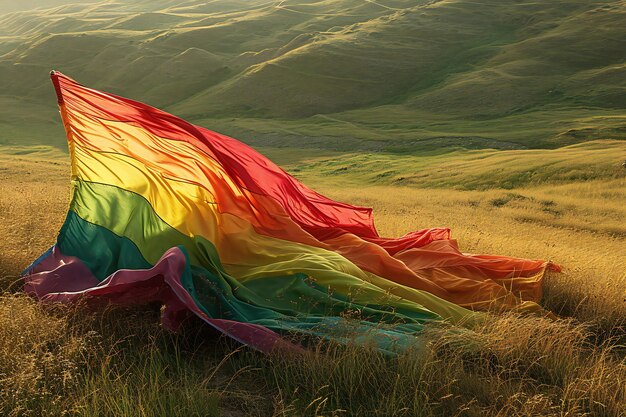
399 75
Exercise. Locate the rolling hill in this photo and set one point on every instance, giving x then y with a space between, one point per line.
389 75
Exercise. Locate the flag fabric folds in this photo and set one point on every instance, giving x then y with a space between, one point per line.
162 210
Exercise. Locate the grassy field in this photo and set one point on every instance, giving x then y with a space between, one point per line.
567 205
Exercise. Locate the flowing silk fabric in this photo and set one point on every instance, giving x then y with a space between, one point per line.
163 210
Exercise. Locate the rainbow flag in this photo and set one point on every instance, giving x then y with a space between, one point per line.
165 211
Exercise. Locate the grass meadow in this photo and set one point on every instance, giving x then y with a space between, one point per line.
567 205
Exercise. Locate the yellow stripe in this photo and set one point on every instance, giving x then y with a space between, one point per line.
173 158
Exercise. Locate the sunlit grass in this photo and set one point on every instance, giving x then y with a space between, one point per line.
59 361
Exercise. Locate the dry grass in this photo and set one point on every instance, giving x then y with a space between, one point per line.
39 359
33 203
55 361
513 366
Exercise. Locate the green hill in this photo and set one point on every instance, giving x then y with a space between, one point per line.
392 75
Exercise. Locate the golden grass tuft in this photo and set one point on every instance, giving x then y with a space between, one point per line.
40 359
